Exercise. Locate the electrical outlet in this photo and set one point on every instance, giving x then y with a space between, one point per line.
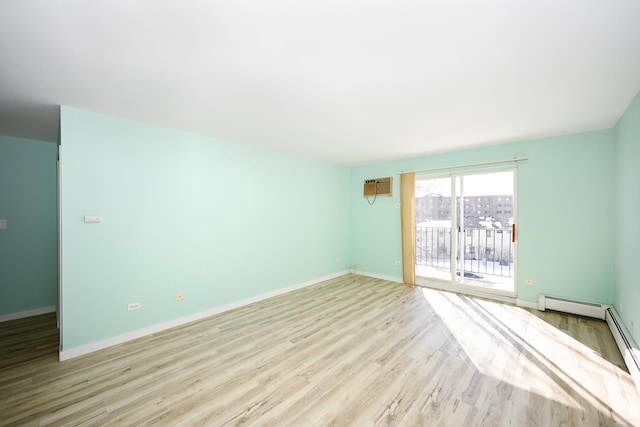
398 262
179 297
133 306
529 281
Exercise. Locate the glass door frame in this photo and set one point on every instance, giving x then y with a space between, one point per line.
458 233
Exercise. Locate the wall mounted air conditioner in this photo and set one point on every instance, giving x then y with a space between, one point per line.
379 187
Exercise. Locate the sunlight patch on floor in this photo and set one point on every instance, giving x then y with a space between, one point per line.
552 363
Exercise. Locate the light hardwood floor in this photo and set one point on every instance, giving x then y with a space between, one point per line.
353 351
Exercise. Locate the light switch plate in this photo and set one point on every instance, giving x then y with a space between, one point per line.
3 224
92 218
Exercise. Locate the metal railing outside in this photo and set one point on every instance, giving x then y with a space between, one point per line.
484 251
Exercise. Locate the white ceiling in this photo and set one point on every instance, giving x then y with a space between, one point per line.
345 81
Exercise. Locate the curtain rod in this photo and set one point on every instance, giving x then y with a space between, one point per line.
514 160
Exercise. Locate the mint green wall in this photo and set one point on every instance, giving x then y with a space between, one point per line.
223 222
220 222
627 286
29 245
565 213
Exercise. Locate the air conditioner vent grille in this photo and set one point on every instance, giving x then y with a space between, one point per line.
379 187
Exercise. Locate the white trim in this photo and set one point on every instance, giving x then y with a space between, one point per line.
379 276
139 333
527 304
465 290
59 208
27 313
627 346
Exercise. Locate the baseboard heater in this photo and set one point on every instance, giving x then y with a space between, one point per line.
589 309
628 348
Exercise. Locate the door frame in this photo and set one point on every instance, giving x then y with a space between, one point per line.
452 284
59 311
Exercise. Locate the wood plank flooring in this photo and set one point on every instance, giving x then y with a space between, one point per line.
353 351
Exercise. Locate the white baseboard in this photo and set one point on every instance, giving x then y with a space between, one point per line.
139 333
527 304
379 276
627 346
27 313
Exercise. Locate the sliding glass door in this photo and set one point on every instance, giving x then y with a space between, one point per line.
465 230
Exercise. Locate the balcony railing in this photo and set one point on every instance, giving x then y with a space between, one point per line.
484 251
